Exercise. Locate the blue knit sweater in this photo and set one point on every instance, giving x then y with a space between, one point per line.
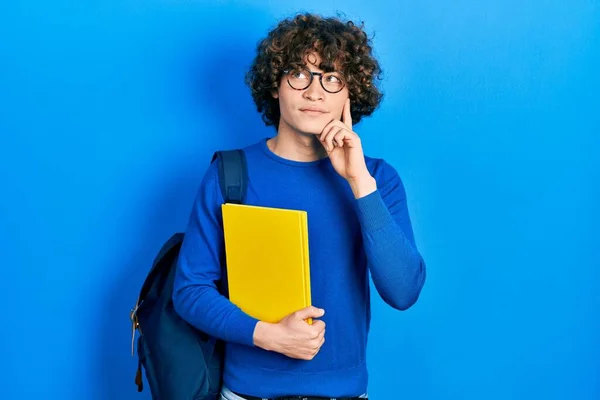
348 239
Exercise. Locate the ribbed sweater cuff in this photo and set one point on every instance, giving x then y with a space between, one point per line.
373 214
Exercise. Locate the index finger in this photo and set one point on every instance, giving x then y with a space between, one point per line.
346 116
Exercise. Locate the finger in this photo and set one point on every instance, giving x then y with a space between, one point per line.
317 345
321 336
329 137
346 115
314 333
327 129
318 342
341 136
318 326
351 140
310 312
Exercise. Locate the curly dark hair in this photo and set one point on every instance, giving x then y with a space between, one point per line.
342 46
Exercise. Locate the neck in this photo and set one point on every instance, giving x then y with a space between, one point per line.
296 146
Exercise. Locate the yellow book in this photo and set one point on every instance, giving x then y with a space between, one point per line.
268 269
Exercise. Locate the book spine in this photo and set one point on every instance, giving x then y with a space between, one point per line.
306 262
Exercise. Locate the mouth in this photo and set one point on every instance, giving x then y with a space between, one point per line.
313 112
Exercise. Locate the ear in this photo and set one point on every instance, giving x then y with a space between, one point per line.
275 94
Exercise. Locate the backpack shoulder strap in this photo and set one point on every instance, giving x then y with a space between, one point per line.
233 175
233 181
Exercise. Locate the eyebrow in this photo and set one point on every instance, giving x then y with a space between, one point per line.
321 71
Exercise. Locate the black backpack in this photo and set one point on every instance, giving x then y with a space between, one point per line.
181 362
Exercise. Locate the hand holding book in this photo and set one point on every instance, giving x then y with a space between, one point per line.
292 336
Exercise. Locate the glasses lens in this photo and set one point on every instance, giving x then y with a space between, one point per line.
333 82
299 78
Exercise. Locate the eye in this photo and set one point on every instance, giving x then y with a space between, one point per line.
299 74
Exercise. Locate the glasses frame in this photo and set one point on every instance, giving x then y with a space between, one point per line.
312 75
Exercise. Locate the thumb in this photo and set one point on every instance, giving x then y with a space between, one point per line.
310 312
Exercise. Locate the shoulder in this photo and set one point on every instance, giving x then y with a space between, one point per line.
211 181
249 151
382 170
389 182
253 147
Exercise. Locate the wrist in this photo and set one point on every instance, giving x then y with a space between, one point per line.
263 335
363 185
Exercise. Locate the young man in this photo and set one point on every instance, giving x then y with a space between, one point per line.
312 79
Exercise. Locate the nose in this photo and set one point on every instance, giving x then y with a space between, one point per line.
314 91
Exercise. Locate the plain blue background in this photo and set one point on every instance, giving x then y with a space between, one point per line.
110 111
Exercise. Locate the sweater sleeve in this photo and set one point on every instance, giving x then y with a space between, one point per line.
396 267
196 297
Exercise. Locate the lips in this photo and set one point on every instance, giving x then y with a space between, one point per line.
313 111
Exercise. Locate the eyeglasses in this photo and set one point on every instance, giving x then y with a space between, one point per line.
301 78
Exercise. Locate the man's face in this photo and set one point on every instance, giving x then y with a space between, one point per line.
295 105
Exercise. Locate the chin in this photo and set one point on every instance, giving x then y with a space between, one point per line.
314 128
310 132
